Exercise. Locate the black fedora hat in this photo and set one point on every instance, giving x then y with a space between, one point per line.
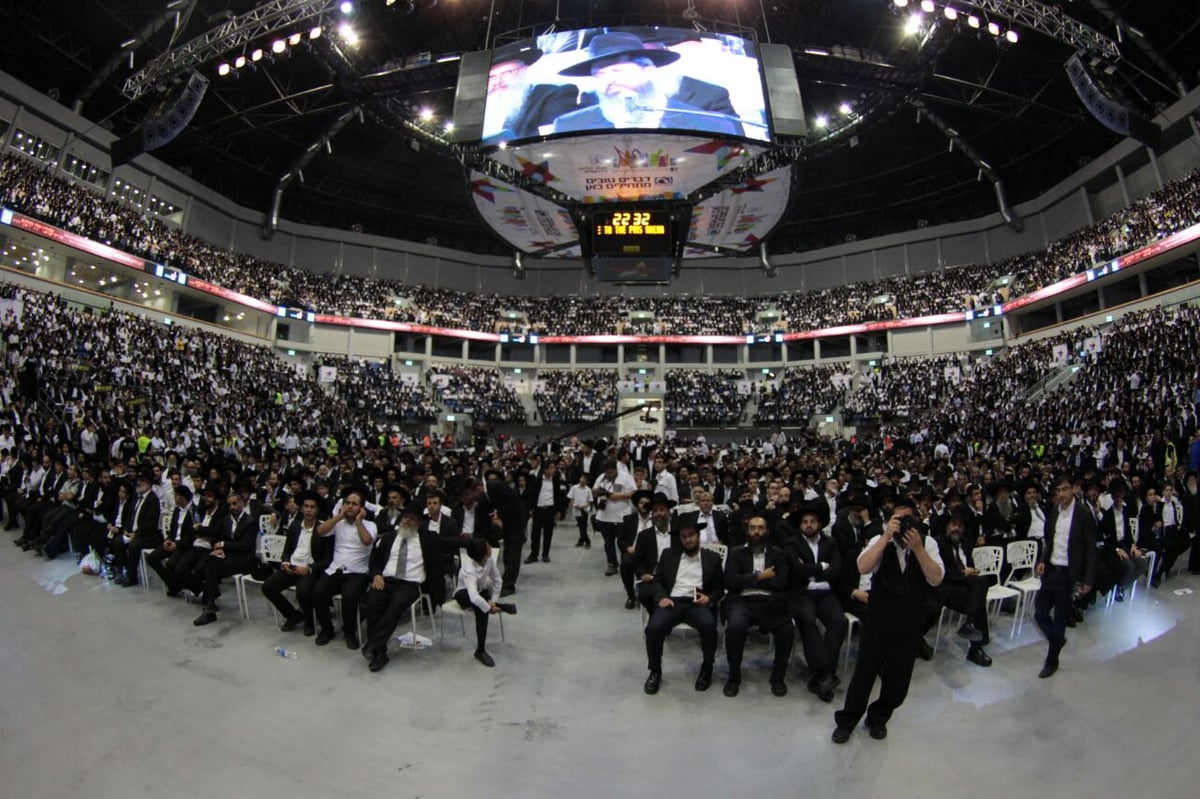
617 47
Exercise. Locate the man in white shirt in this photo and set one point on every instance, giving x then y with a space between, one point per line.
664 481
304 556
346 574
1067 568
580 499
477 582
612 491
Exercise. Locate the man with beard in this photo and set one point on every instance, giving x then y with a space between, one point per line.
515 109
756 575
404 562
623 72
686 588
963 590
654 536
819 565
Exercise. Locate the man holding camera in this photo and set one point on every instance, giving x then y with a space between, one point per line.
906 566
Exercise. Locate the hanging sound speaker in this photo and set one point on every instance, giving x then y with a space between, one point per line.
470 96
161 129
1109 111
783 90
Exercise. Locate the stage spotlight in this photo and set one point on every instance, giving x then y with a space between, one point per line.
256 54
973 21
347 7
239 62
346 31
912 25
993 28
294 39
951 13
822 120
223 70
928 6
1012 36
278 46
426 114
900 3
449 126
845 110
315 33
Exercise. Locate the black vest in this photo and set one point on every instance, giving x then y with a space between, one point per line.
897 604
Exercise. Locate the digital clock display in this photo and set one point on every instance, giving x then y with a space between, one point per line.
631 232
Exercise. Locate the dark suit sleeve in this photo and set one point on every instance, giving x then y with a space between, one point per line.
1089 548
245 537
714 582
667 568
378 558
148 522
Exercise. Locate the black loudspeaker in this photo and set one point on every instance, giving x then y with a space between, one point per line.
161 129
783 90
471 95
1109 111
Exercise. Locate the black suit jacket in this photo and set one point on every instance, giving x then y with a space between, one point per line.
712 580
809 569
534 489
433 551
628 531
240 537
645 551
739 570
1081 548
1111 538
511 509
180 528
720 521
146 520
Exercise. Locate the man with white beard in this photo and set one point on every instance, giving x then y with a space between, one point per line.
405 561
623 74
516 109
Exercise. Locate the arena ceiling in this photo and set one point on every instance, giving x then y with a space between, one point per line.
892 170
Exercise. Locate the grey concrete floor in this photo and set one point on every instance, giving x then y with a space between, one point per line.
112 692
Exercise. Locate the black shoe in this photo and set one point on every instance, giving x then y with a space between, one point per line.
778 688
172 592
130 582
704 679
1071 621
379 661
310 630
1047 670
925 651
291 624
731 688
611 570
207 617
483 657
970 632
531 559
579 544
877 731
630 603
652 682
825 687
324 637
841 734
977 656
508 591
39 552
367 653
352 641
545 558
507 607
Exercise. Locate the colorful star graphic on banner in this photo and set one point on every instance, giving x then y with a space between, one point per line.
751 240
751 184
538 172
485 189
725 151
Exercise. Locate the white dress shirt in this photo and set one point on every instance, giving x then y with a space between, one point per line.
690 577
1060 556
302 554
931 549
474 579
412 570
350 554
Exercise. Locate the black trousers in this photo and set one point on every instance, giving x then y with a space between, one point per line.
608 531
167 566
700 618
742 613
352 587
628 578
128 555
385 609
1055 594
514 540
542 532
820 651
217 569
1175 543
887 656
969 598
481 618
582 521
279 581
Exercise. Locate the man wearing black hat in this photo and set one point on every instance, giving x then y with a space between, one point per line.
687 585
234 552
140 532
627 97
852 533
962 589
648 547
178 537
516 109
819 565
756 577
404 562
906 567
305 555
632 526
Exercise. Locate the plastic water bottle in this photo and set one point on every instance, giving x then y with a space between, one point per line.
283 652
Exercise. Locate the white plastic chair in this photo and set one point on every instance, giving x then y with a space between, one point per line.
450 608
851 623
270 550
987 563
1022 556
720 549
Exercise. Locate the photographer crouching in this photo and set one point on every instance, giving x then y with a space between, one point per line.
906 566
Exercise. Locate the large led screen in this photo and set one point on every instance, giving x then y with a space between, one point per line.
601 79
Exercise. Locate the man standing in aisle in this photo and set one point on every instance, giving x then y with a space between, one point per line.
905 565
1067 566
